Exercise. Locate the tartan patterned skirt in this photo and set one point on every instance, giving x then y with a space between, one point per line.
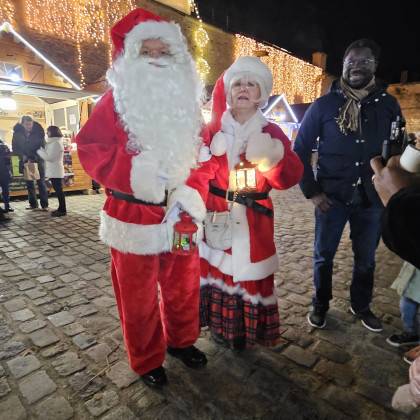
246 311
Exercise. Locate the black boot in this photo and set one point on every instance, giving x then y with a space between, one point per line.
190 356
155 378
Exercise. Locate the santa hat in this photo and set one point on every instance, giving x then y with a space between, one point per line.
254 69
140 24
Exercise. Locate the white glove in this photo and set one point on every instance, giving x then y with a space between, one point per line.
264 151
403 400
218 145
147 181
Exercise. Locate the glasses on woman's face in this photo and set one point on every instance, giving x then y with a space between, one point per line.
361 62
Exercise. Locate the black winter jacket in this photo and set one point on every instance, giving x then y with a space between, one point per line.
344 159
26 147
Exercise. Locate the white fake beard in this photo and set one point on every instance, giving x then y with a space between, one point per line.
159 107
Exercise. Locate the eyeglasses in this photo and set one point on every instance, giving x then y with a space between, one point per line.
362 62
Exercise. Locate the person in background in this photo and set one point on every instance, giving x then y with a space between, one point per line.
28 137
5 175
350 124
53 155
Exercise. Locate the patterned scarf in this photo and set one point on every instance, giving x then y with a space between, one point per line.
348 118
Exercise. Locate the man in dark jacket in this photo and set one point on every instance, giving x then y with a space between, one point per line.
5 175
28 137
350 124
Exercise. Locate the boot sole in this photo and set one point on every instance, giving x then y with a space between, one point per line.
315 325
407 343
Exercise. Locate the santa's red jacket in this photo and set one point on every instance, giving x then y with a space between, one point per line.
125 226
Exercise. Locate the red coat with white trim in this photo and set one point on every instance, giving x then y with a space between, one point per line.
253 253
130 227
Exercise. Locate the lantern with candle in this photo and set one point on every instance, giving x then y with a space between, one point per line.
185 235
243 177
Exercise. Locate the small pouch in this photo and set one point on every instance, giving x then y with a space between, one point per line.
218 230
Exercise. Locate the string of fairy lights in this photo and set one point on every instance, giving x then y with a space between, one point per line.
90 21
298 80
201 39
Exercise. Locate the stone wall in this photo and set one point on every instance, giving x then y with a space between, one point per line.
408 95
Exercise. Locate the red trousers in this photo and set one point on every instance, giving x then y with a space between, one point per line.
151 324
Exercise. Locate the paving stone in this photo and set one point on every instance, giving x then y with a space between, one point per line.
61 318
35 293
54 408
30 326
26 284
45 279
121 413
148 399
2 372
54 350
331 352
300 356
15 305
5 332
379 394
341 374
22 315
12 273
122 375
43 300
73 329
91 293
91 275
99 353
63 292
84 341
299 299
11 348
37 386
84 310
68 363
23 365
79 285
69 278
76 300
12 409
104 302
4 388
44 337
101 403
85 385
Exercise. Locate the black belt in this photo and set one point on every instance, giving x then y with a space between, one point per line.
131 199
246 199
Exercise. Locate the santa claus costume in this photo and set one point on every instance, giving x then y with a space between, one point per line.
141 142
238 301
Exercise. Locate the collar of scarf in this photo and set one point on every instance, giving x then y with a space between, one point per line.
349 114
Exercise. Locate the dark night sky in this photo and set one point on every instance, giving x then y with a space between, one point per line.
304 26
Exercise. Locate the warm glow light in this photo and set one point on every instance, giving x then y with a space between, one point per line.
298 80
7 103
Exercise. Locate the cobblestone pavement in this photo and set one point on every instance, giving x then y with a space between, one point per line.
62 357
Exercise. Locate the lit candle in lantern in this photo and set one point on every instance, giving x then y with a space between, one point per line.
185 235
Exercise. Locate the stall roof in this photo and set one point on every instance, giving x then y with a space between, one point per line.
48 93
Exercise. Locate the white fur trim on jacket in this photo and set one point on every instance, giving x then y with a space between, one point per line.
238 264
145 179
189 200
264 151
238 290
168 32
133 238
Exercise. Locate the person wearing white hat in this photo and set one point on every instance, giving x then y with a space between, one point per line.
238 256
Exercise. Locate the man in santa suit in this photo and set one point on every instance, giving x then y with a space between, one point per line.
141 142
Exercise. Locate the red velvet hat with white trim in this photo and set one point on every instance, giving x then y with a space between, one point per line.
140 24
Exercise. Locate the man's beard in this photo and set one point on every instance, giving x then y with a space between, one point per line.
158 102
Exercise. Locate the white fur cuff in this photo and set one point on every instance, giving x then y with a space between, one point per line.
264 151
189 200
218 144
145 181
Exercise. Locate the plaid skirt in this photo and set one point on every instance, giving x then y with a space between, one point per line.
232 317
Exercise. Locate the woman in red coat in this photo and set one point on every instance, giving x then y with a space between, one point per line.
238 301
